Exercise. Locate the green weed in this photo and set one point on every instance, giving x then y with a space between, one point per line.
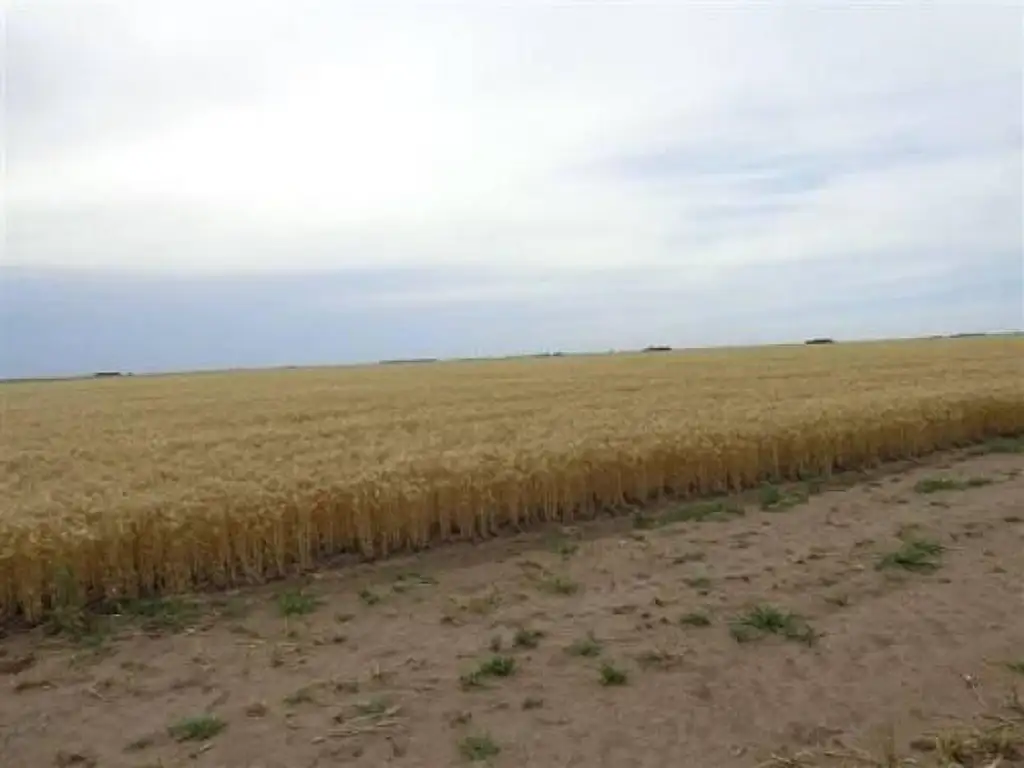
198 728
695 619
764 620
588 647
612 675
478 747
915 554
296 603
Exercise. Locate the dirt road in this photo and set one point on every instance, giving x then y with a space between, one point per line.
712 634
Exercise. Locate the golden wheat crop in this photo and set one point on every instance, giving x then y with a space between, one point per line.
164 484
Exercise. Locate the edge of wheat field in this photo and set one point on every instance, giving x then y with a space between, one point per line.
240 540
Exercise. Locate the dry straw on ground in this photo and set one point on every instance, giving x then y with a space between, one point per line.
121 487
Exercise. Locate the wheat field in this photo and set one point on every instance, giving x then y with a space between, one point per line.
122 487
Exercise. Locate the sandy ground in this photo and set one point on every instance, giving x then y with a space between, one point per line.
621 641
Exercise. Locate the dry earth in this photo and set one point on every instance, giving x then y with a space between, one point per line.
511 651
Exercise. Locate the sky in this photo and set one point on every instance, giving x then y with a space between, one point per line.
217 183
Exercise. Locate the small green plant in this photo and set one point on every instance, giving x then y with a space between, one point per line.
470 680
67 615
773 499
496 643
702 511
558 585
526 638
815 485
657 659
296 603
478 747
158 613
938 484
303 695
563 545
198 728
568 548
612 675
695 619
414 579
915 554
368 596
495 666
1016 666
689 557
1002 445
770 496
373 707
498 666
587 647
699 582
763 620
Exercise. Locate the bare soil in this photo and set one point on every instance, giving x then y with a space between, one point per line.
626 637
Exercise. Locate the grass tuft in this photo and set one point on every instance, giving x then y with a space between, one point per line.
369 597
498 666
655 659
1001 445
372 707
915 554
939 484
774 499
695 619
296 603
587 647
495 666
478 747
159 613
198 728
526 638
700 511
699 582
303 695
612 675
762 620
558 585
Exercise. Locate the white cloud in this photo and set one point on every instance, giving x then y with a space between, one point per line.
452 135
617 156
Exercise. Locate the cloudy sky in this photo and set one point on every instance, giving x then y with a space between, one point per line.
212 183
